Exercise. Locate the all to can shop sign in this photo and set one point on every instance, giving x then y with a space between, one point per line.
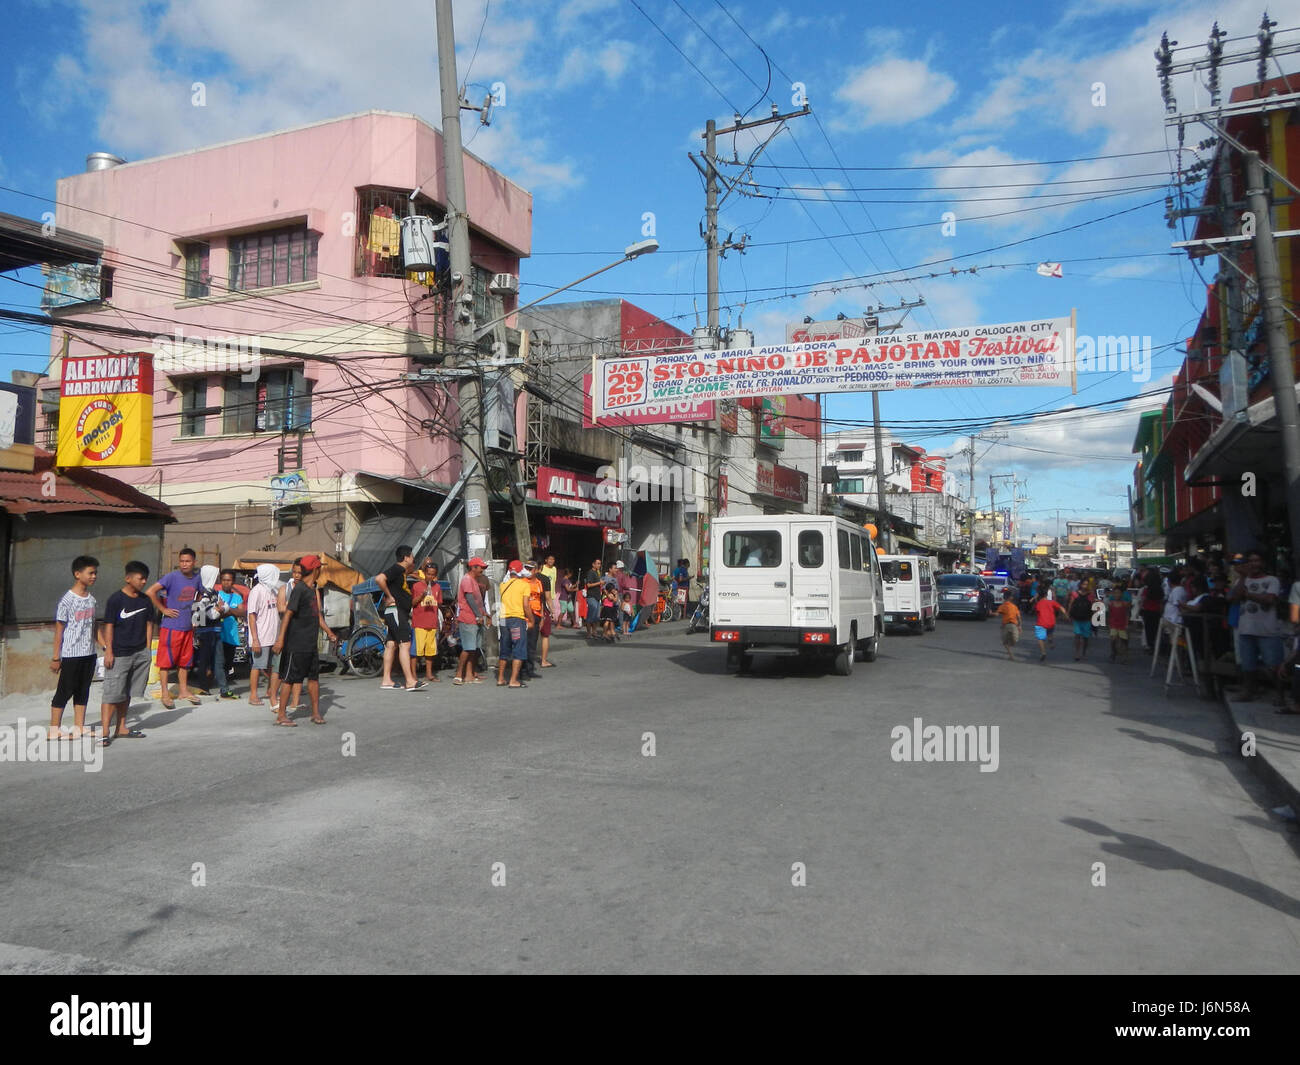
1038 352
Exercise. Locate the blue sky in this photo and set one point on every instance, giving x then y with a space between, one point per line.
605 98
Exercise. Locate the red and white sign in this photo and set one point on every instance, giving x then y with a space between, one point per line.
1037 353
781 482
665 414
598 498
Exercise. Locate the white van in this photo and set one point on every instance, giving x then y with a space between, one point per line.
911 594
794 584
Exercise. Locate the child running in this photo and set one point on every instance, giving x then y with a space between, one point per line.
1080 613
1045 611
1010 615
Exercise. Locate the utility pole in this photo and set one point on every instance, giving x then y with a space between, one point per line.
971 454
715 249
478 519
1279 348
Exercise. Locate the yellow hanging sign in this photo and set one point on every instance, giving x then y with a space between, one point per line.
106 411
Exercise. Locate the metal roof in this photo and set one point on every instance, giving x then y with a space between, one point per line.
76 490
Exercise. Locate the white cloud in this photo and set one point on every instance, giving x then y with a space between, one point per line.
892 92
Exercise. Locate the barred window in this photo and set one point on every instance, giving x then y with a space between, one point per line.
273 257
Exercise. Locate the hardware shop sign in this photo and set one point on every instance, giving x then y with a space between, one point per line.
1037 352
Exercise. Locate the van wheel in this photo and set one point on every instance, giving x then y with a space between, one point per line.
931 623
844 659
868 649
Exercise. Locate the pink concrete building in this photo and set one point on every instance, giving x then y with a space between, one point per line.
277 257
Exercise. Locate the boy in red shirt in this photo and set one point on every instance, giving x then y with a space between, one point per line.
1045 611
1117 619
426 609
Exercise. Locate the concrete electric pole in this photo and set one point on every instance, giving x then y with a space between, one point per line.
478 519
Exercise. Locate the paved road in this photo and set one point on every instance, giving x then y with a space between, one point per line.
614 861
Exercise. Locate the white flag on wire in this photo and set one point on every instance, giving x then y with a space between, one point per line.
1049 269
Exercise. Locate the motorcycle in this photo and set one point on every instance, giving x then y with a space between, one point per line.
700 619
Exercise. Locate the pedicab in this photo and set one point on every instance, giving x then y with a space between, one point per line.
363 647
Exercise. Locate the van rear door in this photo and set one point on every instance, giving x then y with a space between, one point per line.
810 577
753 583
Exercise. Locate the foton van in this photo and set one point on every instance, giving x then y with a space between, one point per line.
794 585
911 596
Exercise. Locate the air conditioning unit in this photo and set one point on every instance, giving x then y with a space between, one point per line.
504 285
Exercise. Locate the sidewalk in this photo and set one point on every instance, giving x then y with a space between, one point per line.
1277 745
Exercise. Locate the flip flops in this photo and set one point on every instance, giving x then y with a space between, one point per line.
285 724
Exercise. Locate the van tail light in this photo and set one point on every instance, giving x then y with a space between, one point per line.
816 637
725 635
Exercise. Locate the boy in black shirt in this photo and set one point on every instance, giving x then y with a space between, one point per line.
128 634
299 630
397 614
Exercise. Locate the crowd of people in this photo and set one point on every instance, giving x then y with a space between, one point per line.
1225 608
204 620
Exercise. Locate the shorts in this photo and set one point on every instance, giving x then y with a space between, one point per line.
468 636
566 606
426 643
1083 628
260 659
1119 634
175 648
127 678
75 675
399 627
593 610
1258 652
514 640
546 625
1010 634
299 666
1040 633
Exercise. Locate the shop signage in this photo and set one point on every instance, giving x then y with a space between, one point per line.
597 497
106 411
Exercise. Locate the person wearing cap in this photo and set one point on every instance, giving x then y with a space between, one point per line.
536 598
471 616
516 617
263 627
300 630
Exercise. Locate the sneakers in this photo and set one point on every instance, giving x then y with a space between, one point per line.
228 693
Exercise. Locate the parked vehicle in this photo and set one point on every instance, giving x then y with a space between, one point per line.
796 585
997 583
911 596
700 617
963 593
363 649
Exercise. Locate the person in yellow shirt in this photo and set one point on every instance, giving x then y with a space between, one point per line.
516 617
1010 615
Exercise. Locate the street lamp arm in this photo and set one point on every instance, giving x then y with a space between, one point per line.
642 247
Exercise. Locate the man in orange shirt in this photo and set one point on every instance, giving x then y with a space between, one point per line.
1010 615
535 625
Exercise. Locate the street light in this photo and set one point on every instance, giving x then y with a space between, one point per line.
632 251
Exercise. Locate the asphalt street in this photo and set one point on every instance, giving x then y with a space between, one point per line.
477 829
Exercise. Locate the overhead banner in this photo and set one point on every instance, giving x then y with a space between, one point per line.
106 411
669 414
1017 353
